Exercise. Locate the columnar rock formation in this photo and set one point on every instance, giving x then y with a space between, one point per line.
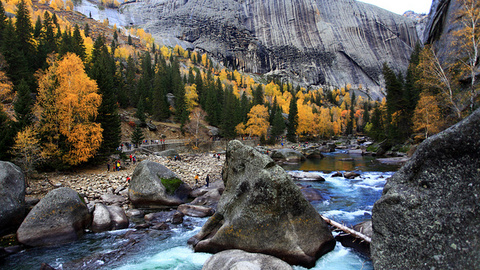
263 211
429 214
311 41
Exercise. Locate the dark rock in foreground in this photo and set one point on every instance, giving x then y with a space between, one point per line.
146 187
239 259
263 211
60 217
12 196
429 214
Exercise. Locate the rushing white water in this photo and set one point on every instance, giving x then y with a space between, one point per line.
348 201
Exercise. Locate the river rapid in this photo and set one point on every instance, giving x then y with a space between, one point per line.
347 201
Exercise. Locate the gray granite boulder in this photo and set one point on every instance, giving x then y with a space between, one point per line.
101 218
60 217
287 155
263 211
195 210
12 196
429 214
153 184
241 260
118 217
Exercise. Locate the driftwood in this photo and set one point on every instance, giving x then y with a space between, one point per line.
345 229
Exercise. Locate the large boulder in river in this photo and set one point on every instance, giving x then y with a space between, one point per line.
429 214
263 211
12 196
60 217
287 155
153 184
239 259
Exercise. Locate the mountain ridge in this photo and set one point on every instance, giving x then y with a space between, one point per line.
322 42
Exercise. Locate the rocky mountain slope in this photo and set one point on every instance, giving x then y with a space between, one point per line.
327 42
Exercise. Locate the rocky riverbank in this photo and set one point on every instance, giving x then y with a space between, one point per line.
95 183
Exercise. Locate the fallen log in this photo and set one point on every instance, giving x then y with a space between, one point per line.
345 229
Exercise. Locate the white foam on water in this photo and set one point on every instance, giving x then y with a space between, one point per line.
344 215
340 258
181 258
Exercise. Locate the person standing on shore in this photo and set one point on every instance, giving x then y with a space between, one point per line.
196 179
108 166
207 179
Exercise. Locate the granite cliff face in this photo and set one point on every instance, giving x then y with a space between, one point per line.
441 22
311 41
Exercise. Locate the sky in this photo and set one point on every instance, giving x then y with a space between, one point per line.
400 6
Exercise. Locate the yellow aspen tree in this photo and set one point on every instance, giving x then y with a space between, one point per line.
257 124
205 60
26 150
427 118
191 96
67 105
306 123
325 125
240 129
165 52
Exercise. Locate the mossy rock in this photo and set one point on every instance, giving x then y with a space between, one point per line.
171 185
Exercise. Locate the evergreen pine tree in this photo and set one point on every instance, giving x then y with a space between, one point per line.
7 134
78 47
245 108
86 30
258 96
231 114
129 40
24 29
137 136
349 129
3 19
102 69
23 106
38 28
161 108
66 43
292 119
140 113
15 57
278 125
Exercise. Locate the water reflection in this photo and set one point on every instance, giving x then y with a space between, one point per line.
341 161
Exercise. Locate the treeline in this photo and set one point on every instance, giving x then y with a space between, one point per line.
61 93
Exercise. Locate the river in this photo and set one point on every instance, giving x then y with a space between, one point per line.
347 201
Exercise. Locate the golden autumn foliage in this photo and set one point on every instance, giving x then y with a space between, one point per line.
427 117
26 149
67 104
307 120
191 97
257 124
6 86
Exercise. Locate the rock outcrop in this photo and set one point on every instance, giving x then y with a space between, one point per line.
153 184
287 155
263 211
60 217
12 196
429 214
309 41
239 259
107 218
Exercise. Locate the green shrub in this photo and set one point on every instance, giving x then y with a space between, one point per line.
171 185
